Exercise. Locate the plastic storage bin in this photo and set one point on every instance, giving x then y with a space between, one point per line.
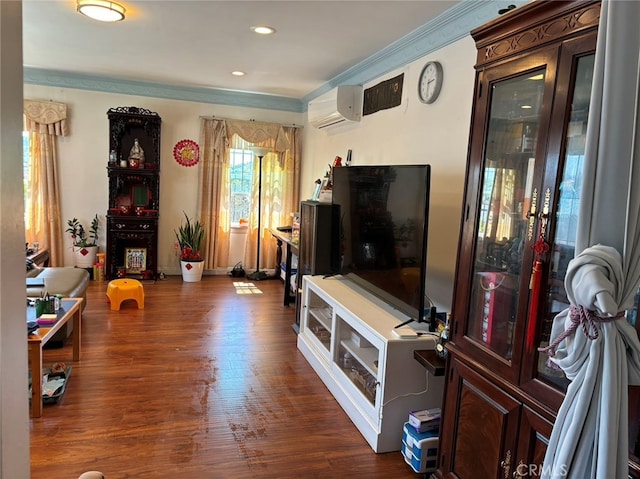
420 449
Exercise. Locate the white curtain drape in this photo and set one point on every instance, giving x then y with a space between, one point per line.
597 349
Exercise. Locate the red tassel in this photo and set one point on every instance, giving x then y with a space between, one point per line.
534 286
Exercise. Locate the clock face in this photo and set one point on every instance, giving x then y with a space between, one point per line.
430 82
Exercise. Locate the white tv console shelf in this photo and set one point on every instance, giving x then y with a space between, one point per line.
346 335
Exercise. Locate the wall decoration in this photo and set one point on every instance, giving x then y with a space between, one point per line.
430 82
384 95
135 260
187 152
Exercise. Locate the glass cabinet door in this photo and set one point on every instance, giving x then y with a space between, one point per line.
318 322
358 359
563 181
566 215
507 196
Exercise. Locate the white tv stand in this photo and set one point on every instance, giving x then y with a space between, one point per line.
346 335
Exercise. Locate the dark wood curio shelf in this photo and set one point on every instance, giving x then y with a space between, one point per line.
134 193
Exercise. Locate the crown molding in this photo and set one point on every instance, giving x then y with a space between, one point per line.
37 76
449 27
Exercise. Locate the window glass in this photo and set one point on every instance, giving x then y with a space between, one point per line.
241 171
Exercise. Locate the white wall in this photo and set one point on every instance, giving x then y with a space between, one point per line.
414 133
83 157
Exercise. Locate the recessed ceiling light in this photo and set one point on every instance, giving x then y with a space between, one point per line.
101 10
238 73
263 30
526 107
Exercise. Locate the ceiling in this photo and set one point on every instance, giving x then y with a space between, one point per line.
198 43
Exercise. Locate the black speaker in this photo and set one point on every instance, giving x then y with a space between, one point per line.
319 238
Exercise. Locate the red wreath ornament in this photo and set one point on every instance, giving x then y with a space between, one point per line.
187 152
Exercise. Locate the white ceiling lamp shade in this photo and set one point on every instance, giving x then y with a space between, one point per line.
101 10
263 29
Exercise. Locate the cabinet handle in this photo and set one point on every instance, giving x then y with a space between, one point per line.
505 464
541 248
531 215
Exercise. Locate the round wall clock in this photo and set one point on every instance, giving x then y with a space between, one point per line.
186 152
430 82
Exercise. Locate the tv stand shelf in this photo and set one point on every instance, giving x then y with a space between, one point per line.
346 334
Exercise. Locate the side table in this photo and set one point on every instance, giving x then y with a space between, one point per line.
71 310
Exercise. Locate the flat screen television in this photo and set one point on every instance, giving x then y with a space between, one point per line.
384 217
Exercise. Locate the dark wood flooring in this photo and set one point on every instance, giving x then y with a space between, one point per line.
201 383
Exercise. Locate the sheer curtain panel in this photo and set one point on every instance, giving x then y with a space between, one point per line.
45 121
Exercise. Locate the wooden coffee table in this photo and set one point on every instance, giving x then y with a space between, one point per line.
71 309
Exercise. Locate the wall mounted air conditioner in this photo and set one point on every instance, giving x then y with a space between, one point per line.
340 105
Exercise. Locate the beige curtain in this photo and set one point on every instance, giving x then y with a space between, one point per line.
45 121
280 186
213 196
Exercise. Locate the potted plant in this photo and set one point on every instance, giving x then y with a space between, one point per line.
190 236
85 246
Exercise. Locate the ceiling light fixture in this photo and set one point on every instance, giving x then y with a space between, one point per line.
238 73
101 10
263 30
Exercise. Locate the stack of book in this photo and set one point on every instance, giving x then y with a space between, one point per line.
47 319
425 420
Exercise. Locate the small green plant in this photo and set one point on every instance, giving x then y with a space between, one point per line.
190 237
79 234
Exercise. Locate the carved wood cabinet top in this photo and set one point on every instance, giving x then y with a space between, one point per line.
531 26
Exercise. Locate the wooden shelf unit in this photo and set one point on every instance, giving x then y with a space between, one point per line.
133 187
346 334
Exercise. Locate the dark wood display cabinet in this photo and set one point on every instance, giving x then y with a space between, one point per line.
134 192
534 72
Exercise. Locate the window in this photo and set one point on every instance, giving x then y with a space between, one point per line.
241 179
